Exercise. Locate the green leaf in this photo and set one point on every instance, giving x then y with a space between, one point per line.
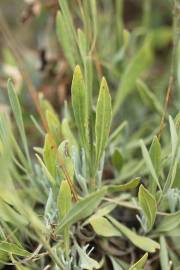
103 119
70 29
49 156
174 137
54 125
104 210
103 227
18 117
14 249
174 159
46 171
132 184
64 202
65 39
67 132
155 155
64 150
148 205
116 134
82 43
142 242
85 261
169 223
140 264
117 159
79 103
149 163
8 214
163 254
137 65
83 208
118 264
101 212
64 205
149 97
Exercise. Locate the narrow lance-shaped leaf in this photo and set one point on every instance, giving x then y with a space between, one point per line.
149 164
148 205
14 249
169 223
82 208
103 227
135 68
54 125
65 39
64 204
46 171
18 117
155 155
130 185
64 150
174 159
49 156
142 242
79 103
148 96
140 264
164 260
85 261
103 119
174 137
67 132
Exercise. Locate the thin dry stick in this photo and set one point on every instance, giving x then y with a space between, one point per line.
173 60
34 95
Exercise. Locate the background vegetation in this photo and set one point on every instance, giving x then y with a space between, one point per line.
89 134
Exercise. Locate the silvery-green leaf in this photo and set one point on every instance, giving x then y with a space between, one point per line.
49 156
155 154
169 222
137 65
140 264
164 260
83 208
67 132
149 97
103 119
79 104
149 164
130 185
174 137
148 205
104 227
54 125
65 38
65 153
85 261
18 117
14 249
142 242
64 202
117 159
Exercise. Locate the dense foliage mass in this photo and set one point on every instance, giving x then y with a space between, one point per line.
89 135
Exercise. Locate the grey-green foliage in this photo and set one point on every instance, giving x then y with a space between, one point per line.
103 119
74 207
148 205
